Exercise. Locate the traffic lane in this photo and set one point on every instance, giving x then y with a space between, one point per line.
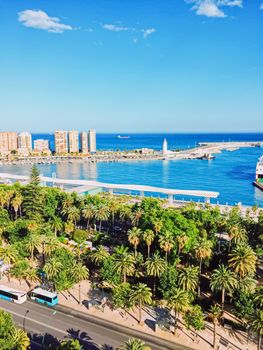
58 324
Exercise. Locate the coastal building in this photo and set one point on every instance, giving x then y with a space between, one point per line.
61 142
8 142
73 138
84 144
41 146
165 147
24 143
92 141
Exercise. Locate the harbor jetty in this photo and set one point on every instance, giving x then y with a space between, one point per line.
204 150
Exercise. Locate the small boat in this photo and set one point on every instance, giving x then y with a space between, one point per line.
123 137
207 156
259 174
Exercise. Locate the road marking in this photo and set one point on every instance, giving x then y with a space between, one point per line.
37 322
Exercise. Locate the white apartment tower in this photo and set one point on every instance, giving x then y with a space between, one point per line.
165 147
84 142
92 141
61 142
24 143
73 138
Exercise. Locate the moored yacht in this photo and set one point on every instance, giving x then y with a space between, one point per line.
259 174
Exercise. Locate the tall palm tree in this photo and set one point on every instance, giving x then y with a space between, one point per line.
188 279
148 237
166 242
88 213
79 273
124 264
179 303
99 255
21 339
49 245
73 214
134 236
202 251
141 295
136 216
237 235
256 324
134 344
52 268
8 254
102 213
16 202
33 243
155 266
157 226
56 224
31 276
223 280
215 315
181 241
243 260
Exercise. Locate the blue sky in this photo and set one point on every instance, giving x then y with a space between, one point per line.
131 65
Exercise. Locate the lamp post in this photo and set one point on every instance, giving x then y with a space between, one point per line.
24 320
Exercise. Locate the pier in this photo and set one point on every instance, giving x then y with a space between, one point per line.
89 186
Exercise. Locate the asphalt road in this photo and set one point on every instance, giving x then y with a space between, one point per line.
46 326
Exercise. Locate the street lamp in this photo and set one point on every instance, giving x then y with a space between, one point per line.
24 320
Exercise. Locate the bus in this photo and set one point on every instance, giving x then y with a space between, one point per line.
10 294
43 296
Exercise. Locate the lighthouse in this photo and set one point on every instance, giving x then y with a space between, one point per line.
165 147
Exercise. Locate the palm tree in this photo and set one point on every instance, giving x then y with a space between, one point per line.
124 264
188 279
166 242
52 268
256 324
148 237
79 273
247 284
258 297
33 242
73 214
31 276
88 213
49 245
136 216
16 203
8 254
181 241
243 260
237 235
102 213
21 339
157 226
215 314
203 251
155 266
179 303
56 224
134 344
223 280
134 235
141 295
99 255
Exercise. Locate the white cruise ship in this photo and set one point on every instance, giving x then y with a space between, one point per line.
259 174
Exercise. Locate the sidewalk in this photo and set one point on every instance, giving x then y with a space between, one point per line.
68 301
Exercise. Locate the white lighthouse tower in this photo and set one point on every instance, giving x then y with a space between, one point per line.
165 147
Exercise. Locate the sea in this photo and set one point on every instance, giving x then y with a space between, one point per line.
231 173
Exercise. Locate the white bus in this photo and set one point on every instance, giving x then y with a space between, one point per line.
10 294
44 296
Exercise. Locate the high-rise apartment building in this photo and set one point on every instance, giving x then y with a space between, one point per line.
8 142
92 141
61 142
41 145
84 142
25 141
73 138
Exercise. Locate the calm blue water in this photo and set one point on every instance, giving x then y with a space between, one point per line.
231 173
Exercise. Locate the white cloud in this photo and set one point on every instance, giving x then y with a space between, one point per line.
147 32
213 8
39 19
116 28
261 6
